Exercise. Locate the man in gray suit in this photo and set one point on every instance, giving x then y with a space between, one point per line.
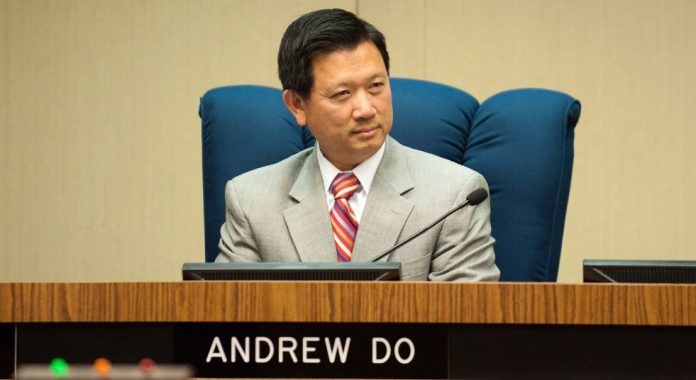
357 192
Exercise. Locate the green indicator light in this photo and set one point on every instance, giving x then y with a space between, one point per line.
59 367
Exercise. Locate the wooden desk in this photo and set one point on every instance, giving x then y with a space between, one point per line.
487 330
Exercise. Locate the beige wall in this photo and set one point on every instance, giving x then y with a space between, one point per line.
100 142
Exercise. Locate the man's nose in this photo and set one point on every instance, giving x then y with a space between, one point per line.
363 108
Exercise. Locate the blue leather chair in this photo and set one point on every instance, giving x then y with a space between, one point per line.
520 140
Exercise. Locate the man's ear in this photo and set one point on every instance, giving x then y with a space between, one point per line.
296 105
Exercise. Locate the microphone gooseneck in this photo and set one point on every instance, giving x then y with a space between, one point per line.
474 198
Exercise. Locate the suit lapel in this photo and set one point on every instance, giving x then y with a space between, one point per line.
308 220
386 211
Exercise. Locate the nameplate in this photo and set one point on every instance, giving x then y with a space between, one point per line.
325 350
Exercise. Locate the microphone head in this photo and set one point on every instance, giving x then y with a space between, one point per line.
477 196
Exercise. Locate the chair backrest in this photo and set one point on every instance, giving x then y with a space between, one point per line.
520 140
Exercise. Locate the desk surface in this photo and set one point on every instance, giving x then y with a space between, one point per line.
362 302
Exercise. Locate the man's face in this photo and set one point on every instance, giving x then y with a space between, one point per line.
349 109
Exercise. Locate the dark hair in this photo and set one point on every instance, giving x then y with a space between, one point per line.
321 32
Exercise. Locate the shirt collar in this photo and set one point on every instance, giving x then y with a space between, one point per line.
365 171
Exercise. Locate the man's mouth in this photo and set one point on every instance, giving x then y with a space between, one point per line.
366 131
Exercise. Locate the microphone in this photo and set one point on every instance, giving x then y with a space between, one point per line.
475 197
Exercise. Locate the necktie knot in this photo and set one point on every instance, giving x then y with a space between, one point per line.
344 185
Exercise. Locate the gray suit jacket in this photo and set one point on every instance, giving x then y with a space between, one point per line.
279 213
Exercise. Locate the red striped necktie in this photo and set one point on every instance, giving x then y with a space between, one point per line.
343 220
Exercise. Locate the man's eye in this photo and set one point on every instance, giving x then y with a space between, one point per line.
376 85
340 94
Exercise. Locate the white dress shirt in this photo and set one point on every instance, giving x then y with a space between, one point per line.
365 173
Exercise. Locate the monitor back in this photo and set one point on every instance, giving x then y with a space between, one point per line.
639 271
298 271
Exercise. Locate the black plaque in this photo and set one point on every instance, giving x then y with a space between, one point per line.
440 351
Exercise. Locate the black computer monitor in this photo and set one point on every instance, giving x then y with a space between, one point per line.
268 271
639 271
